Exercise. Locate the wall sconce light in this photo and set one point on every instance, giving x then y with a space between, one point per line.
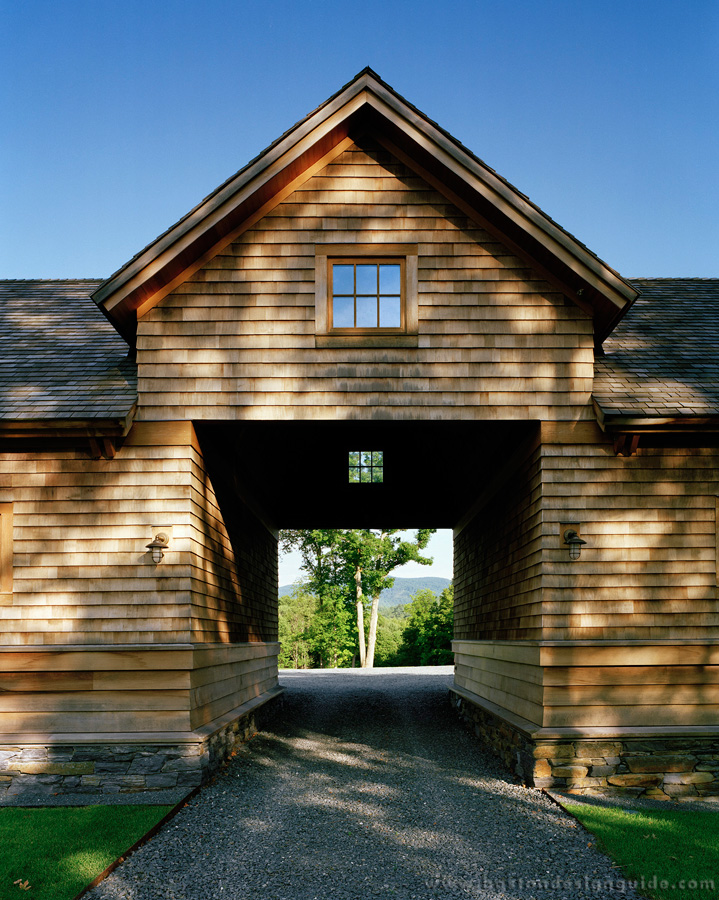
575 543
159 544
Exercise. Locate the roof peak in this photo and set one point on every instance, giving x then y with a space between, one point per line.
367 104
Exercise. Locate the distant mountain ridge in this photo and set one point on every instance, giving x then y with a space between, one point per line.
402 591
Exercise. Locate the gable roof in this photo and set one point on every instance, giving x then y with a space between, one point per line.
60 360
365 104
660 368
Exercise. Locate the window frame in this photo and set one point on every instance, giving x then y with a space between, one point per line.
328 336
372 467
358 261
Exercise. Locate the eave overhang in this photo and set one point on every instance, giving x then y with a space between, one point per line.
65 430
365 105
626 423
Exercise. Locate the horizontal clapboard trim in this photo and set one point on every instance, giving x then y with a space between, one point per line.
139 691
615 716
602 684
627 653
506 698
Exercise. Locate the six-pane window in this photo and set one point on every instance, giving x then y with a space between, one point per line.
366 294
366 466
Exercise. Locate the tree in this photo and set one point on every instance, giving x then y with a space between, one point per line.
389 638
296 612
331 634
355 563
427 637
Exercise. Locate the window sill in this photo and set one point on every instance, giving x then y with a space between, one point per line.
370 341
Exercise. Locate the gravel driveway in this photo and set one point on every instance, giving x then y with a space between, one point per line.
366 786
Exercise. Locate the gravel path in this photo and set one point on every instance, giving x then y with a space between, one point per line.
366 786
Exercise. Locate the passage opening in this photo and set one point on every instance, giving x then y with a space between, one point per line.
365 598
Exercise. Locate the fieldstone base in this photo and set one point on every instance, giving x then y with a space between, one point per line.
112 768
654 767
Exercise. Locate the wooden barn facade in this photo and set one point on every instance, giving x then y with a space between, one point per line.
365 284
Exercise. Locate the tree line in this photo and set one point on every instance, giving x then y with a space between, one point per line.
323 623
417 634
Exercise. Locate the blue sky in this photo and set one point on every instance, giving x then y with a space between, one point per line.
118 117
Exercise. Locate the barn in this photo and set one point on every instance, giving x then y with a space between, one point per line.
366 285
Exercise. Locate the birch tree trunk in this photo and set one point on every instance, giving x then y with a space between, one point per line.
372 632
360 617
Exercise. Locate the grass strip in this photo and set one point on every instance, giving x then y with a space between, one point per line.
53 853
671 854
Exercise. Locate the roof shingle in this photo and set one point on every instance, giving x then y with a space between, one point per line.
59 357
661 361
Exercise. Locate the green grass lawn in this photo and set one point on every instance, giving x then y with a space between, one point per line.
674 851
52 854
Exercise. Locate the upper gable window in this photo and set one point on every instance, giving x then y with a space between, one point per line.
366 294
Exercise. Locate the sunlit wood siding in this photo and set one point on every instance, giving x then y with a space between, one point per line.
81 572
624 637
237 340
96 638
602 687
649 568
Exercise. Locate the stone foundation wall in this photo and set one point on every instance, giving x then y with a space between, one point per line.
660 768
113 768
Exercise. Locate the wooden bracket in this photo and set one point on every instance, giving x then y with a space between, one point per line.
102 448
626 444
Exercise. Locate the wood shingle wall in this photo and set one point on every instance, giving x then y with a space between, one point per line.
81 573
628 632
234 568
237 340
100 640
645 588
498 564
498 596
649 568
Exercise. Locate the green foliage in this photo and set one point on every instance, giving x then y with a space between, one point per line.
427 637
396 612
669 853
52 854
296 614
315 634
331 633
389 638
344 566
324 635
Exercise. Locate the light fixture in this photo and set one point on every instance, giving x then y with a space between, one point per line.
575 543
159 544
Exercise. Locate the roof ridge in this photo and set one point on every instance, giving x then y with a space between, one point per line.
673 278
47 280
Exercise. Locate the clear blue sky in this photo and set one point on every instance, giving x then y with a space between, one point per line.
118 117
